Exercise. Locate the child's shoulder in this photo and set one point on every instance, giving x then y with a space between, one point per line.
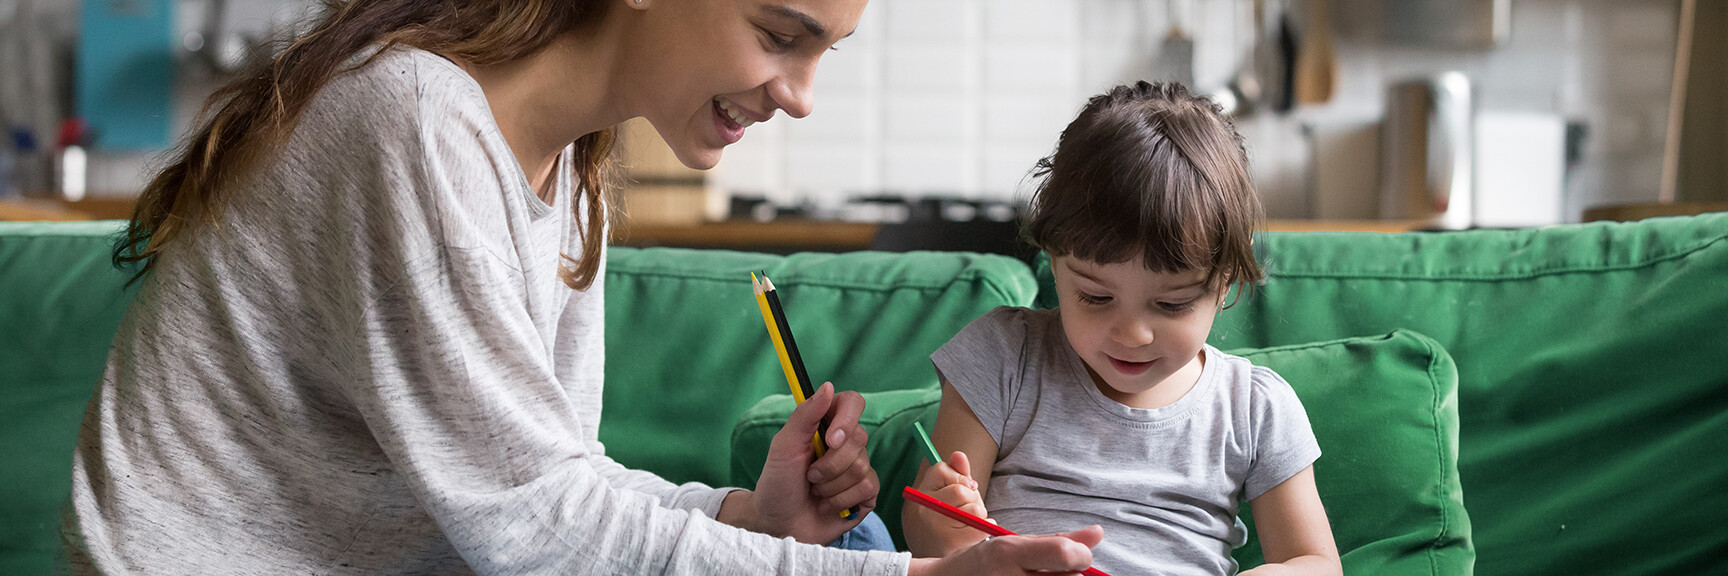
1012 323
1017 315
1009 329
1244 376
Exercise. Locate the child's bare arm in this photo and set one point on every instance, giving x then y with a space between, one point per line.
1293 530
961 481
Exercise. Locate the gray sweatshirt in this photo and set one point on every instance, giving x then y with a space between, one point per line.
369 365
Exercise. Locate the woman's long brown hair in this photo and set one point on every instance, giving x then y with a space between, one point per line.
257 111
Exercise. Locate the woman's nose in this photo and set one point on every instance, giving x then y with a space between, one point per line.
793 92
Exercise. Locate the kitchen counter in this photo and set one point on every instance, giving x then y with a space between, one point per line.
779 236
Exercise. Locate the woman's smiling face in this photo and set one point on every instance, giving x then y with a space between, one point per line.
711 68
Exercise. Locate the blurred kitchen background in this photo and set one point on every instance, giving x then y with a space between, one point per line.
1358 114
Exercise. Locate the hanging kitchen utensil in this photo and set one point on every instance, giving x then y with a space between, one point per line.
1282 84
1316 65
1175 61
1250 86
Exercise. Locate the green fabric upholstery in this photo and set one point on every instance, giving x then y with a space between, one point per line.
1592 395
1383 408
687 351
60 303
1592 369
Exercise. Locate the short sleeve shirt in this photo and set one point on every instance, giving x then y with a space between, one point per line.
1165 483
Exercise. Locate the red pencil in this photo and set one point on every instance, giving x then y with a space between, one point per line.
988 527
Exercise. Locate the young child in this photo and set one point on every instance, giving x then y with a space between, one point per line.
1111 409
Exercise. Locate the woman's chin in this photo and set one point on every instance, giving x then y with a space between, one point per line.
698 158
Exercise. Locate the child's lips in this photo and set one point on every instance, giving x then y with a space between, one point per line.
1131 368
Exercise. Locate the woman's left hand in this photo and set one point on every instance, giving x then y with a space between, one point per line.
803 499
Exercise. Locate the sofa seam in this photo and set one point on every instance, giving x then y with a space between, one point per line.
1324 343
1532 274
759 420
1439 445
971 275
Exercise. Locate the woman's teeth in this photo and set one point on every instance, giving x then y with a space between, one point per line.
739 117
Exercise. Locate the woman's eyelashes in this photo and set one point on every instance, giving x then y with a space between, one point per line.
778 42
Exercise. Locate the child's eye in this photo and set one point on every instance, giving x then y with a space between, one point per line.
1178 307
1090 299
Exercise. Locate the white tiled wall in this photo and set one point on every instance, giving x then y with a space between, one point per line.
962 96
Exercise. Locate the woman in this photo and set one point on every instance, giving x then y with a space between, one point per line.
369 332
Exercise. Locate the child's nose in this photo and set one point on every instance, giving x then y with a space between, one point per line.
1132 333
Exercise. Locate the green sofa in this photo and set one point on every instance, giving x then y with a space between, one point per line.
1550 401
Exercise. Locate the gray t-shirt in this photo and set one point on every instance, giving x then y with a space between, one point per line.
370 366
1165 483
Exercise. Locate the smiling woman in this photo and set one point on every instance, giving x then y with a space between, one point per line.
368 335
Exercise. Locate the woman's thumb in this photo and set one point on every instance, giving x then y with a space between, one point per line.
807 417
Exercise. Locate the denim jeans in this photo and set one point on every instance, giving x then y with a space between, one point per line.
870 534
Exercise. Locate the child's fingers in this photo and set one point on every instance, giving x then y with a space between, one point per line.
962 497
962 466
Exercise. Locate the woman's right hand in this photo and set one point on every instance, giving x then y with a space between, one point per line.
1054 554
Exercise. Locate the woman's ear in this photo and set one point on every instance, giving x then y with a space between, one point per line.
637 4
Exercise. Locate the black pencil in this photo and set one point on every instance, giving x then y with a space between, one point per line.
785 328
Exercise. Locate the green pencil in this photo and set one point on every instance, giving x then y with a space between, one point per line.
928 445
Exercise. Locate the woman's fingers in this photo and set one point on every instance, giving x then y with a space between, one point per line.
806 418
847 462
861 495
1069 552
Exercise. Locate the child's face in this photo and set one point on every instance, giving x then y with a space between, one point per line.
1134 328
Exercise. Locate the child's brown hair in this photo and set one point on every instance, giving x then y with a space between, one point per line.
1150 169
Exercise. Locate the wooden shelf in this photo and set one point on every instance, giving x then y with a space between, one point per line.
779 234
776 236
1377 226
44 209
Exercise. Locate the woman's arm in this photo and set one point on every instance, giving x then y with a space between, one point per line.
1293 530
958 481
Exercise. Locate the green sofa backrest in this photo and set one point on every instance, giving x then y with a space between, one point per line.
687 351
60 303
1593 376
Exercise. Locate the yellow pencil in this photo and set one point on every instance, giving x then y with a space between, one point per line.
780 332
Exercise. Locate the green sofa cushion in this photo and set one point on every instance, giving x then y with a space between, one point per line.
686 349
866 321
53 342
1592 367
1384 409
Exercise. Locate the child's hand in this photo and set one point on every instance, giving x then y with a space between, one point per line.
952 482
